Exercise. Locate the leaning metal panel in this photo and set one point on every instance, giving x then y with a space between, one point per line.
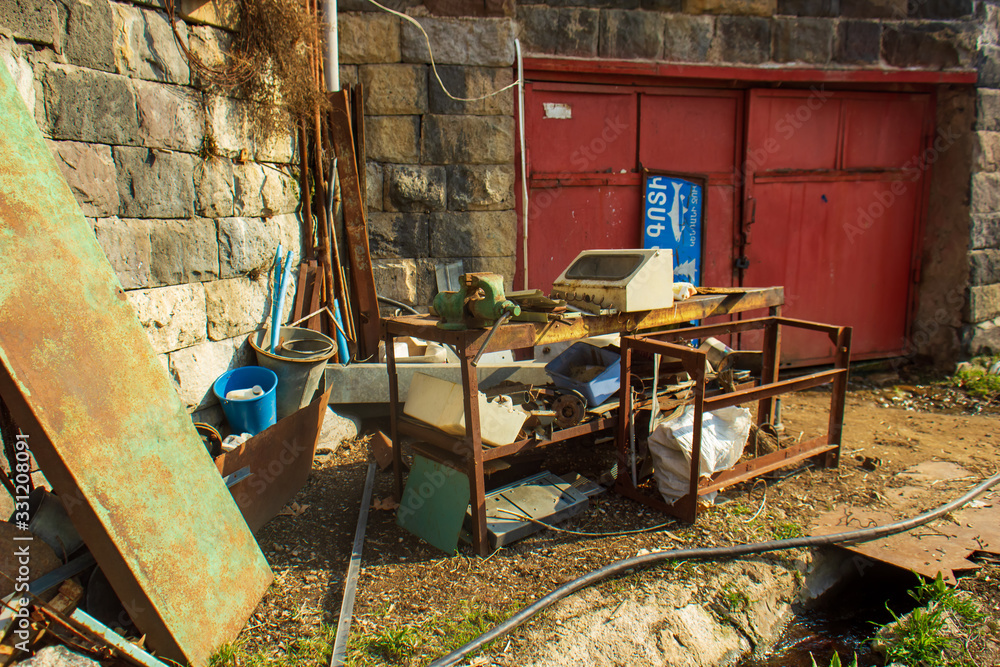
103 418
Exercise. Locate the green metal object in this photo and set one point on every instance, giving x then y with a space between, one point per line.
477 305
434 503
103 419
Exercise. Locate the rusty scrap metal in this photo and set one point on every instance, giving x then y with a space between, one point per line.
104 420
280 460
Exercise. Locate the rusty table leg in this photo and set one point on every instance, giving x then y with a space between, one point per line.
474 452
397 448
769 370
838 396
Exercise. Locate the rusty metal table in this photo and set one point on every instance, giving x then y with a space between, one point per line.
467 455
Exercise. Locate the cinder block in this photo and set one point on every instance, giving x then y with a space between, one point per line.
394 89
393 138
414 188
460 41
174 317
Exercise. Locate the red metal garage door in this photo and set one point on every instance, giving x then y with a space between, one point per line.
586 144
833 201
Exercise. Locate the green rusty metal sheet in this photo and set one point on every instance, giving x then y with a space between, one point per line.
104 421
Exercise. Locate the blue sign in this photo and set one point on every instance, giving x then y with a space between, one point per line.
672 220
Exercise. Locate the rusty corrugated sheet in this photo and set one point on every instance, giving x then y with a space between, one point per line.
104 421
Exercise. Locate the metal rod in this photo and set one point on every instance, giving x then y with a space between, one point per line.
129 650
496 325
339 657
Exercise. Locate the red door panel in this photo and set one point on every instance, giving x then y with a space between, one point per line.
793 131
580 131
884 131
717 239
574 218
690 133
840 237
834 271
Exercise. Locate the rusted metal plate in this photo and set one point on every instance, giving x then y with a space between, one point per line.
941 546
280 460
104 421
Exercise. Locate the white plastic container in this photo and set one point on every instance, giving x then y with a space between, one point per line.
245 394
441 404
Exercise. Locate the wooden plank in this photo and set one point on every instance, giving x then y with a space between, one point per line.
300 293
356 225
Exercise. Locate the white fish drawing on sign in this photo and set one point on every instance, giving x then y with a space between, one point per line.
675 212
685 270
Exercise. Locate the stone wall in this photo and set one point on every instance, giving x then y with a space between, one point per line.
187 204
983 333
440 173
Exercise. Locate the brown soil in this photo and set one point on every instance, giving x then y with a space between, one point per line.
406 583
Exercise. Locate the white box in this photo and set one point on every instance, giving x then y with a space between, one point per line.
441 404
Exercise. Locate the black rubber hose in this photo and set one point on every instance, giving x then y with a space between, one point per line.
715 553
398 304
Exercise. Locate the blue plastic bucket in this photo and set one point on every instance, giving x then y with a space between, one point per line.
255 414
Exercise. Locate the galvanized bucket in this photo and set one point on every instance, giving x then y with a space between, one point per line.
299 361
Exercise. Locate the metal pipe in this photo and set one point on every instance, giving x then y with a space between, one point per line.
339 657
129 650
524 163
275 287
714 553
331 68
496 325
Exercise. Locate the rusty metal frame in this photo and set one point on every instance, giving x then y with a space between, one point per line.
825 450
467 454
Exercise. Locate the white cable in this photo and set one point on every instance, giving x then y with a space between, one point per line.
434 65
524 163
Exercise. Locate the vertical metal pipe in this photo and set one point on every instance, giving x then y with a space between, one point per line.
332 70
524 163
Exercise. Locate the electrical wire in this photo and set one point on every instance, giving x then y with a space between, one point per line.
434 65
525 517
712 553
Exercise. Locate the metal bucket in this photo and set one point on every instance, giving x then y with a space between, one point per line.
299 371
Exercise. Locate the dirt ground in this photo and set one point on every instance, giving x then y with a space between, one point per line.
415 603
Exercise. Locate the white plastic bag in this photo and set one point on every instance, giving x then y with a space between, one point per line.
724 434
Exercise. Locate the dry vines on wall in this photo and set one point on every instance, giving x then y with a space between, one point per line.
272 61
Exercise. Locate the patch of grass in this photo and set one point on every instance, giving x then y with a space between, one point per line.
311 651
734 598
393 643
977 380
787 531
413 644
835 661
924 637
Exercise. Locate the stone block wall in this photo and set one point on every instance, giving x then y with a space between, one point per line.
983 334
440 174
187 202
